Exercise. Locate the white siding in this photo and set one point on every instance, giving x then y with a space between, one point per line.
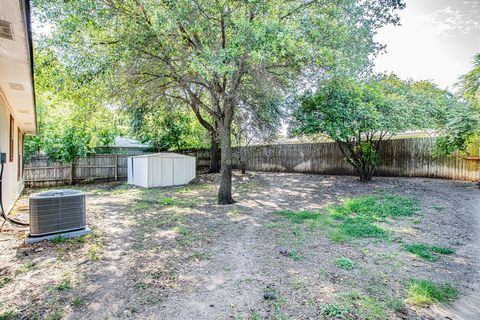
140 176
11 185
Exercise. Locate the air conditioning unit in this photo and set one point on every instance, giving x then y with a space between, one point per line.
57 213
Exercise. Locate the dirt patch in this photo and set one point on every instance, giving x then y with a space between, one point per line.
171 253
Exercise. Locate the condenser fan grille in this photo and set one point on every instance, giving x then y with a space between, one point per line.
57 211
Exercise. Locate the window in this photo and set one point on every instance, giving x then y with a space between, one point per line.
11 139
19 154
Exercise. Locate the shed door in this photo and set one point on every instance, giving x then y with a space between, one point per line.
168 168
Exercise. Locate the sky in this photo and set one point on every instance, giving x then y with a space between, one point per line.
436 41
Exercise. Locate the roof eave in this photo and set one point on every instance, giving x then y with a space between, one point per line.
28 28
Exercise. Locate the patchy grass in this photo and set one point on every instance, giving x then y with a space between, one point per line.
4 281
198 256
184 231
352 228
357 217
159 197
427 252
353 305
8 315
396 304
294 256
64 284
158 220
25 268
254 316
94 253
300 283
344 263
55 314
192 187
76 302
424 292
376 207
300 216
141 285
364 306
60 239
277 306
335 311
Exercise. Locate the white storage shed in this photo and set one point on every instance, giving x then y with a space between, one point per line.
161 170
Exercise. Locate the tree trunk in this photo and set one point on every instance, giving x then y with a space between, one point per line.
225 190
243 167
365 173
215 155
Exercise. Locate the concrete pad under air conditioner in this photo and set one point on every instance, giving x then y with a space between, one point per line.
70 234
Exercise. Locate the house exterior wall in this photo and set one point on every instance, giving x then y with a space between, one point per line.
12 181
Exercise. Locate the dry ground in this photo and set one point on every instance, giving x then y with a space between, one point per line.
171 253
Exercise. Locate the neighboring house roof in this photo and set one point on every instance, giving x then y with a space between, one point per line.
282 139
16 63
122 142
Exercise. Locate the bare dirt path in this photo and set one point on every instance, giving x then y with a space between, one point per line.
467 307
232 281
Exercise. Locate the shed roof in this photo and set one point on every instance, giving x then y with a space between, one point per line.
163 155
123 142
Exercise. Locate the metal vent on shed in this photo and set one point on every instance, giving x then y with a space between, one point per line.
6 30
57 211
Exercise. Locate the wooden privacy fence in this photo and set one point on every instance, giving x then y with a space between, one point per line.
401 157
410 157
41 171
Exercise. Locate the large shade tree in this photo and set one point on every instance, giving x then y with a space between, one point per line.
208 54
462 127
359 115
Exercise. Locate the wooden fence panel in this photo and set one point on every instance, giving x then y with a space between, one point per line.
41 172
399 157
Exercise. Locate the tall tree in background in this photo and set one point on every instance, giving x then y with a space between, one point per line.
359 115
208 54
254 127
167 130
72 120
462 126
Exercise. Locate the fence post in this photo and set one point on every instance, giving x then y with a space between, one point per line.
72 172
116 167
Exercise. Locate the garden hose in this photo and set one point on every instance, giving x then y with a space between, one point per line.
4 214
